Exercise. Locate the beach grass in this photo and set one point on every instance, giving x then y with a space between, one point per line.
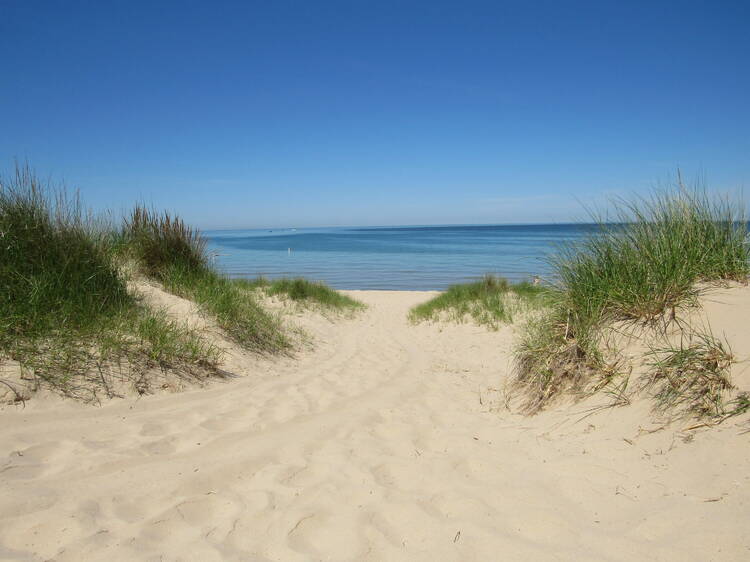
161 241
56 268
490 301
129 350
655 258
691 377
235 309
174 254
65 312
649 261
305 292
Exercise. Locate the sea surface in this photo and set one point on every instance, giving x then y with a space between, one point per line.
395 258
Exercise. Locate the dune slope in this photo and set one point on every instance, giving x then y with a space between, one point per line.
385 441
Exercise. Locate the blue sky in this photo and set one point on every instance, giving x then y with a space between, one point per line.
254 114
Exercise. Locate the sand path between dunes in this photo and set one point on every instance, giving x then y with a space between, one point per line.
384 442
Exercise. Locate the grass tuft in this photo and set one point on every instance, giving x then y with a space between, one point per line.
161 241
306 292
56 270
550 359
691 378
173 253
234 307
490 301
740 405
65 313
129 350
647 262
642 267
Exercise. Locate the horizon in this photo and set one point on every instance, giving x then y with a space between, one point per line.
383 226
356 114
408 226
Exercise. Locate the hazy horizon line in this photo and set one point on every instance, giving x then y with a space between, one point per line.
378 226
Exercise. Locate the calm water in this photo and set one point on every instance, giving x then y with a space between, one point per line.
410 258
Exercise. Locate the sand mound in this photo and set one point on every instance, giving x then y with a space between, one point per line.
384 442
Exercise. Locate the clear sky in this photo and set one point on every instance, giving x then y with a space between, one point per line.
310 113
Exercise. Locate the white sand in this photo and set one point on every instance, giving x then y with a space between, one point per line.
384 442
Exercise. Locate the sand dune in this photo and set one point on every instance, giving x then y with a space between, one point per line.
384 441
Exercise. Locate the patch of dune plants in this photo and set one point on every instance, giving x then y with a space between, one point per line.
174 254
235 309
491 301
652 260
65 313
691 377
310 293
161 241
134 349
56 268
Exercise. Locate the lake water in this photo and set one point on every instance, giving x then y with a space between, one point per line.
396 258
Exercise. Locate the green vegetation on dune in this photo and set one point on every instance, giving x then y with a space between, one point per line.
173 253
692 376
307 292
68 319
65 313
168 250
160 242
650 261
643 268
56 268
235 309
125 349
490 301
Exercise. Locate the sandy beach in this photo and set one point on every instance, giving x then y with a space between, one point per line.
380 441
374 282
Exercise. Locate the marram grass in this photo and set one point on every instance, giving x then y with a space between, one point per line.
646 265
692 376
161 241
173 253
56 268
491 301
65 312
235 309
130 349
303 291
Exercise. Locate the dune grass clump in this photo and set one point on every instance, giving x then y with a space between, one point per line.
692 377
162 241
173 253
649 261
549 360
740 405
65 313
490 301
643 267
56 270
134 348
236 309
313 293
